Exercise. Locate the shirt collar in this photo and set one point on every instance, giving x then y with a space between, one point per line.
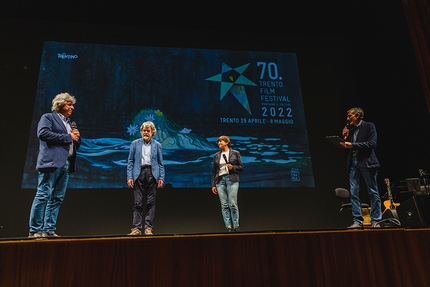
63 118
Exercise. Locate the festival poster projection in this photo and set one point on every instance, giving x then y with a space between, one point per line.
193 96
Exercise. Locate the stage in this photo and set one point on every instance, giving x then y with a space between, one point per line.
369 257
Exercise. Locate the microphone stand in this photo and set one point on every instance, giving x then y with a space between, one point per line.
423 174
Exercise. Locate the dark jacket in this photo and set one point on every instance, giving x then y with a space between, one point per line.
54 143
234 159
364 146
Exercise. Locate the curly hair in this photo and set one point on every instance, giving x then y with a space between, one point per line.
149 125
60 100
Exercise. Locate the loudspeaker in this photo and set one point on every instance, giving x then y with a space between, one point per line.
415 212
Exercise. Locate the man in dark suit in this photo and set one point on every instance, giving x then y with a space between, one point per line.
360 140
145 172
58 143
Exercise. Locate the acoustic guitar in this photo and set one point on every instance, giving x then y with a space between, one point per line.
389 204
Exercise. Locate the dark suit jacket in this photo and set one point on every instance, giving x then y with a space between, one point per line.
234 159
364 146
54 143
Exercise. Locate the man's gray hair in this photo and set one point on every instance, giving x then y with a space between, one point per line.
149 125
60 100
357 111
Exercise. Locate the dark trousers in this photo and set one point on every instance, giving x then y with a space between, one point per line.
145 190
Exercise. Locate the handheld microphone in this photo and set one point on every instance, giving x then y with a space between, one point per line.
348 125
225 158
74 126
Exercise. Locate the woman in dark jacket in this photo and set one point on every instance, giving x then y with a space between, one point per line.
225 181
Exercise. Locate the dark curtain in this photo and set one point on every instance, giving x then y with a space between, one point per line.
418 17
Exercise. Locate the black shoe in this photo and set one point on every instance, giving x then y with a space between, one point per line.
236 229
229 229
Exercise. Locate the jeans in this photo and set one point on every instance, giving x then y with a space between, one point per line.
51 189
145 190
370 178
227 192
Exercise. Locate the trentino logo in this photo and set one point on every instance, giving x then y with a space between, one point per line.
66 56
233 81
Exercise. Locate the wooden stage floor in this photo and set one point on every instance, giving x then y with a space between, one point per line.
370 257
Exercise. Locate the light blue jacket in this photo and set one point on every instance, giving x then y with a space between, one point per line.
135 159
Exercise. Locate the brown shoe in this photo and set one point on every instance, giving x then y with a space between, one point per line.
148 231
35 235
355 226
135 231
50 235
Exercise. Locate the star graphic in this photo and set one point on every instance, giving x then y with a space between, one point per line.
233 81
132 129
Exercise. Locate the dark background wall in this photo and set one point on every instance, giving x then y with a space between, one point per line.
348 55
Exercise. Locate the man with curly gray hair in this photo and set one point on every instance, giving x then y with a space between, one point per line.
59 139
145 173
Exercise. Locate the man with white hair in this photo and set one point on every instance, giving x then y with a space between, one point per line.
59 139
145 173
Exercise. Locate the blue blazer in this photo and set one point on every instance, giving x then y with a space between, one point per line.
364 146
135 159
234 159
54 143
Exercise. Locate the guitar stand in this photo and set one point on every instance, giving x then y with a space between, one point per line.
423 175
389 221
390 218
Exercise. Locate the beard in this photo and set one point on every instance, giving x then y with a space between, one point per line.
146 138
